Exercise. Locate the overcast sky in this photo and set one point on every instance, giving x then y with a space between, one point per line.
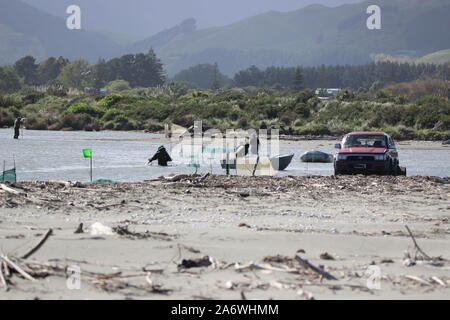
146 17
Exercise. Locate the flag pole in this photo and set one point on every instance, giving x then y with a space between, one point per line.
91 168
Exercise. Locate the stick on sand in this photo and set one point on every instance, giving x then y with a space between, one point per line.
305 263
39 245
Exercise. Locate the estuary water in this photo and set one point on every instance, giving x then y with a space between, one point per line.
122 156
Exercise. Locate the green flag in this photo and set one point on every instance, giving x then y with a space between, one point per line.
87 153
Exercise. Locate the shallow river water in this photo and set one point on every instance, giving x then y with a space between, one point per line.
122 156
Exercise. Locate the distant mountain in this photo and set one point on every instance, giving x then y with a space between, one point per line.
164 37
314 35
24 30
147 17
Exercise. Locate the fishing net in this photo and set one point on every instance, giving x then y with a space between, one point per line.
8 175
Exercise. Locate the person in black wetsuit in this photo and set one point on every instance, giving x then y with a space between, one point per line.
17 125
162 156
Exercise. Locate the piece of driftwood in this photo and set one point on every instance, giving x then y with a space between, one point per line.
306 264
2 279
5 267
79 229
60 182
438 281
39 245
176 178
254 266
419 280
9 190
14 266
427 257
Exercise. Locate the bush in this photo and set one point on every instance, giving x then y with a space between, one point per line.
16 112
30 96
57 91
36 123
314 130
83 108
153 126
118 86
6 118
76 121
185 121
111 114
242 123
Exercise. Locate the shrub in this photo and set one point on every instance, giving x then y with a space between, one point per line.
76 121
36 123
118 86
16 112
242 123
6 118
83 108
153 126
111 114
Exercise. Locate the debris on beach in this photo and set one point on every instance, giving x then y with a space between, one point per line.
125 232
99 229
326 256
205 261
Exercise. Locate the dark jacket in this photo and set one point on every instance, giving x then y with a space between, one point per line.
162 156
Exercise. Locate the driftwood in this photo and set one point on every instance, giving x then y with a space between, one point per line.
2 278
427 257
9 190
39 245
254 266
14 266
79 229
60 182
306 264
419 280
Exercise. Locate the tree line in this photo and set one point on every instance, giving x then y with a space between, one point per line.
137 70
147 70
372 76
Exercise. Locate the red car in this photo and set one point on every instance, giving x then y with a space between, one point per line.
367 153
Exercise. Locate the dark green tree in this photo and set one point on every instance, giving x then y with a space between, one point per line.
26 67
298 79
252 76
205 76
216 83
100 74
50 69
9 79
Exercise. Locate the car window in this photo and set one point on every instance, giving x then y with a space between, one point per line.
368 141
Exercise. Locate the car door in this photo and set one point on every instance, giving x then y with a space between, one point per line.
392 150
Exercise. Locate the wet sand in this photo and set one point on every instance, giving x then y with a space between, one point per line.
251 229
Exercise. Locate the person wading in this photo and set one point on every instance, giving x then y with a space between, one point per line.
17 125
162 156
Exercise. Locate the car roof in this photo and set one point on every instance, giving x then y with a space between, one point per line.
367 133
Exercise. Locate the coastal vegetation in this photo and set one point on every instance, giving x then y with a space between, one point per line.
133 93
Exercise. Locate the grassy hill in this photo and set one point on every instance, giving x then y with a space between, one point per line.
314 35
439 57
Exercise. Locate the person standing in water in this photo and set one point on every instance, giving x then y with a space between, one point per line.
17 125
162 156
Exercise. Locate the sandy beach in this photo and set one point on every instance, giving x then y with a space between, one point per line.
218 237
